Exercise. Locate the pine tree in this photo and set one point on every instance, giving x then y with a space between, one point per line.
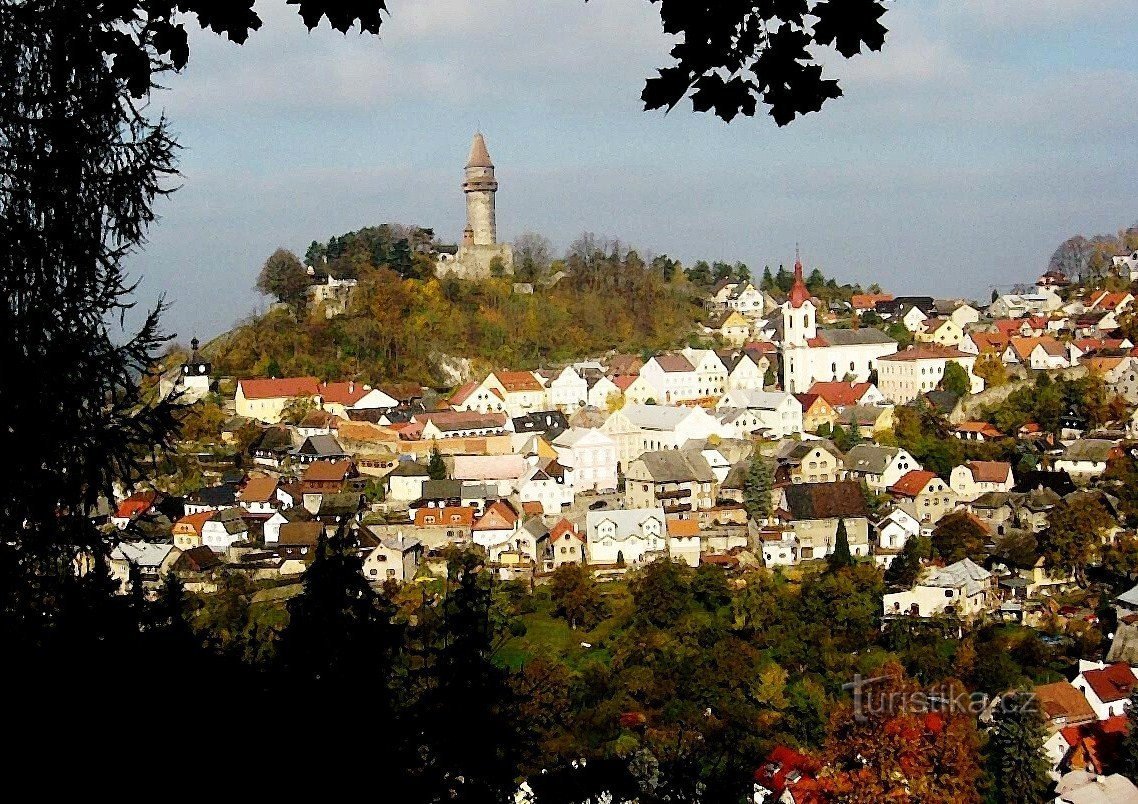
841 557
757 488
1015 751
436 467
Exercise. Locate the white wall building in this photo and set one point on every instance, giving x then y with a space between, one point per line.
592 455
904 376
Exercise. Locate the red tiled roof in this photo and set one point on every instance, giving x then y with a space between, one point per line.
1062 700
913 482
622 381
259 489
762 347
343 393
843 394
562 527
498 516
463 393
867 301
990 471
452 515
683 527
195 521
990 341
277 388
1112 683
327 471
514 381
1097 745
532 508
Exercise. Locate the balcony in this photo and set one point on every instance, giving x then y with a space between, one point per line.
673 494
676 508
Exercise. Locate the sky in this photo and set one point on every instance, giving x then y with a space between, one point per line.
981 136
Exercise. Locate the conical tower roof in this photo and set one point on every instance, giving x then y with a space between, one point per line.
479 156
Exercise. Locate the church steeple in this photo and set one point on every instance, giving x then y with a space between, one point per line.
799 294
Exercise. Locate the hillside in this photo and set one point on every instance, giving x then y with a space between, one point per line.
396 328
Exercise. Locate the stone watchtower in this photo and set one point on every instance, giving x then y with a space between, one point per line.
480 187
480 246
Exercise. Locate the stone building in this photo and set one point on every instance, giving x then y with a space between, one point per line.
480 247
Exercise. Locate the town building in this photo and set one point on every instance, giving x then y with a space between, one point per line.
480 255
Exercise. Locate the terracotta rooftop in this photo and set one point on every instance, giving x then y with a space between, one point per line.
673 363
284 387
518 381
327 471
452 515
1112 683
1062 700
840 394
990 471
259 489
479 156
913 482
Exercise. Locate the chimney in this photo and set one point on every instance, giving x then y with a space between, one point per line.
351 386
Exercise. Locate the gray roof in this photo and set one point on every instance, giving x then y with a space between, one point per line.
854 337
409 469
402 544
1129 597
760 400
628 521
795 451
655 417
442 489
142 554
992 499
674 466
963 574
1089 449
861 414
737 477
870 458
320 445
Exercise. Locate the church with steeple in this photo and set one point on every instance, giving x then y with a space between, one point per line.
811 354
480 253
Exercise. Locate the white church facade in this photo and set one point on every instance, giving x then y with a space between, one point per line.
811 354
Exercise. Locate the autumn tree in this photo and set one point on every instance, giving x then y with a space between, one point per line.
283 275
1074 536
959 535
575 596
661 591
886 746
905 567
1016 760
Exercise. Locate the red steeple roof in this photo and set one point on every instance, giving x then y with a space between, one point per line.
798 293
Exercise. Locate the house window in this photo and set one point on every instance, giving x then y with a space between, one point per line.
375 572
948 593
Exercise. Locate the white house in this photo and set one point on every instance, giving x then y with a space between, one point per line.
640 428
592 455
672 378
224 529
776 411
879 467
1086 458
711 373
963 588
1106 687
568 391
395 558
745 373
405 482
914 320
1126 265
917 370
970 480
266 399
550 484
964 315
601 390
624 536
892 533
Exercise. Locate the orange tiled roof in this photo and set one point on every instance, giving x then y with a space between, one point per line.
327 471
514 381
278 388
913 482
452 515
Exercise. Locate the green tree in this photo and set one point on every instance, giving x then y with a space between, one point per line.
757 488
575 596
905 567
436 466
1016 760
955 379
283 276
841 557
767 283
1128 759
661 591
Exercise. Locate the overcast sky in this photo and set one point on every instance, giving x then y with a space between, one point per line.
983 134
